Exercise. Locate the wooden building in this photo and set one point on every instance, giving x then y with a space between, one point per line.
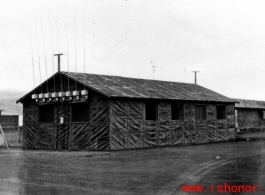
9 121
116 113
250 114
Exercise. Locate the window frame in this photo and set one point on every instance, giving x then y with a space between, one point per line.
40 110
87 114
224 110
204 114
145 110
181 111
261 114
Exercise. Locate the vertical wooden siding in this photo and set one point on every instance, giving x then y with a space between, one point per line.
130 130
92 134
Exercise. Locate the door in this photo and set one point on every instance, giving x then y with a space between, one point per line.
62 126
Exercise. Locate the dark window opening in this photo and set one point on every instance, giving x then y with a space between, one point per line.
80 112
150 111
46 113
200 112
221 112
177 111
261 114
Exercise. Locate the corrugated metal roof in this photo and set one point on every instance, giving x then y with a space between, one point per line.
116 86
254 104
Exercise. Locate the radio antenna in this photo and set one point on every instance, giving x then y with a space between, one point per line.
52 50
59 65
75 52
44 54
32 56
84 43
38 49
67 44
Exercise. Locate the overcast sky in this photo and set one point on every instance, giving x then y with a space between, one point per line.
224 40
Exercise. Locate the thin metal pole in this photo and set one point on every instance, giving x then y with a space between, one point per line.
195 72
32 56
59 69
75 54
84 42
52 51
67 45
44 54
4 137
38 49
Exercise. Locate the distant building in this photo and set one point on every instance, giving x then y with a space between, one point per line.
9 122
250 114
99 112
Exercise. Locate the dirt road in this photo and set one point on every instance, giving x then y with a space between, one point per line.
151 171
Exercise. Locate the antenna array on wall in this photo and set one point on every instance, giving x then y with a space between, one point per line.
57 95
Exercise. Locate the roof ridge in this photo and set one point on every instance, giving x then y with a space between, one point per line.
129 77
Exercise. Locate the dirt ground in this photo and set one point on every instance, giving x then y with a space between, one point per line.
159 171
13 138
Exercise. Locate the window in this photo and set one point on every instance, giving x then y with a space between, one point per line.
221 112
46 113
80 112
261 114
150 111
200 112
177 111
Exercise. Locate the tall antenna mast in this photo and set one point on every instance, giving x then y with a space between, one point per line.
75 53
67 45
84 42
38 49
52 50
195 74
44 54
32 57
59 54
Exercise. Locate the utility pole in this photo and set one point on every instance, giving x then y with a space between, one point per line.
59 66
195 76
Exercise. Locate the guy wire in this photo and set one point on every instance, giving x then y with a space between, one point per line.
84 43
59 49
52 50
44 53
67 45
32 56
75 52
38 49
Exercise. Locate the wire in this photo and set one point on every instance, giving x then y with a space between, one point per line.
32 56
44 54
58 31
52 50
84 43
75 54
59 50
67 45
38 48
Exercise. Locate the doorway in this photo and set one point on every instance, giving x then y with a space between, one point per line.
62 126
